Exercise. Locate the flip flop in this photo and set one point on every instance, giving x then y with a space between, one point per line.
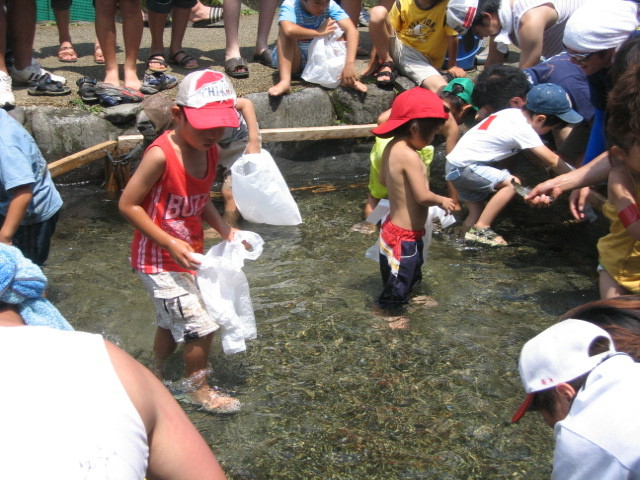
67 54
264 57
236 67
215 15
160 60
43 85
184 60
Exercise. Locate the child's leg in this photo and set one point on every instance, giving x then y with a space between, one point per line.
609 288
496 204
288 63
475 210
231 213
379 33
163 346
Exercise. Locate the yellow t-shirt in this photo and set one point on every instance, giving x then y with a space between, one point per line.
619 253
376 188
424 30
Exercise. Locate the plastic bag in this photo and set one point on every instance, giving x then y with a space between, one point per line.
225 289
260 191
326 59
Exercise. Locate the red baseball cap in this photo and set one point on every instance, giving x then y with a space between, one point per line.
412 104
208 100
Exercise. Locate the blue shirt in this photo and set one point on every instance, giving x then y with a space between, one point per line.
293 11
21 163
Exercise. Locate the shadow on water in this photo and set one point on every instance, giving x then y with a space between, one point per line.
328 390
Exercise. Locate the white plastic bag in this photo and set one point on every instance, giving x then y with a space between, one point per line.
260 191
326 59
225 289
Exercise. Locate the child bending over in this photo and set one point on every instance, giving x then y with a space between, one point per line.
619 251
166 200
416 115
300 22
472 166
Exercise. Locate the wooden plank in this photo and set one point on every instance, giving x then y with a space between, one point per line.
82 157
315 133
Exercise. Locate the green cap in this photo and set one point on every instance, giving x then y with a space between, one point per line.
465 94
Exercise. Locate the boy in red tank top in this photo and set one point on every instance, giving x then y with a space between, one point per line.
166 200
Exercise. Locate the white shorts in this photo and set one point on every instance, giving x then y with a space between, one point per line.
179 305
410 62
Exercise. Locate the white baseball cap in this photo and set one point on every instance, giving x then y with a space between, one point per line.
208 99
460 14
558 354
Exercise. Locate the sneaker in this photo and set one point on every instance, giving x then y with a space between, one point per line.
485 236
157 81
22 77
363 20
7 100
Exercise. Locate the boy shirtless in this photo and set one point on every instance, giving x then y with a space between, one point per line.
415 117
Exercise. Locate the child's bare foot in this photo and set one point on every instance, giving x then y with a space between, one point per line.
399 323
394 322
279 89
359 86
365 227
423 301
215 402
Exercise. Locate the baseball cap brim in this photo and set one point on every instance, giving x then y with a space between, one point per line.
524 408
390 125
570 117
212 116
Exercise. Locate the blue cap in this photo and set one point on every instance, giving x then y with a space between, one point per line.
551 99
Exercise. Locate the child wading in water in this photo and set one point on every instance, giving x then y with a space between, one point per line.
416 115
619 251
166 200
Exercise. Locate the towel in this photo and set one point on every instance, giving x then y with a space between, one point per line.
22 283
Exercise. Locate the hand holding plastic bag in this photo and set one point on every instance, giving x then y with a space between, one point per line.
326 60
260 191
225 289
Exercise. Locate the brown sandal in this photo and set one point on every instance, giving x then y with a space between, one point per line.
186 61
67 54
98 56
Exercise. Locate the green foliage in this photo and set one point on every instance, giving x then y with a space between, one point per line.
95 109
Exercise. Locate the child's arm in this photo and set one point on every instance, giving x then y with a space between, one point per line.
551 160
22 196
415 172
148 173
297 32
349 76
621 194
452 55
245 107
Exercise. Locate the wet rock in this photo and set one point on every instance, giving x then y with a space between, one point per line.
19 114
310 107
357 108
122 114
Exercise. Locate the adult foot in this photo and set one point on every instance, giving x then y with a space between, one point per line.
157 63
215 402
98 56
184 60
205 17
66 53
279 89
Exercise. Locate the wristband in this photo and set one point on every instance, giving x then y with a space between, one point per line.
629 214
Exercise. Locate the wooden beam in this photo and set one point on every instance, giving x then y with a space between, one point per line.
82 157
315 133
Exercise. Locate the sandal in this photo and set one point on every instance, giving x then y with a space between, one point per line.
87 89
157 58
43 85
264 57
67 54
215 15
98 56
236 67
388 77
112 95
186 61
485 236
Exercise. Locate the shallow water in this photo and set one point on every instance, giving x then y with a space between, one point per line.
329 391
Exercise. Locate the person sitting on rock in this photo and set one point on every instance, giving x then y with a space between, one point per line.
301 21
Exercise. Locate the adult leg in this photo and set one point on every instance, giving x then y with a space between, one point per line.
288 62
132 28
231 16
106 34
265 20
66 53
156 28
178 29
21 23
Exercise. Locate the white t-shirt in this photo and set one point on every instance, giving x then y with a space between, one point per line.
64 414
498 136
600 438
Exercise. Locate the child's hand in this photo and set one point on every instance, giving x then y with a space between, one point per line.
328 26
180 251
447 204
457 72
577 202
253 147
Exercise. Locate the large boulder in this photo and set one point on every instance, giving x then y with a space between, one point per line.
310 107
357 108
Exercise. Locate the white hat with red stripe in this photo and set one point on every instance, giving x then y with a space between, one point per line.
460 14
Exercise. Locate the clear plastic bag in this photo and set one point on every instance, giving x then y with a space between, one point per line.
260 191
225 289
326 59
